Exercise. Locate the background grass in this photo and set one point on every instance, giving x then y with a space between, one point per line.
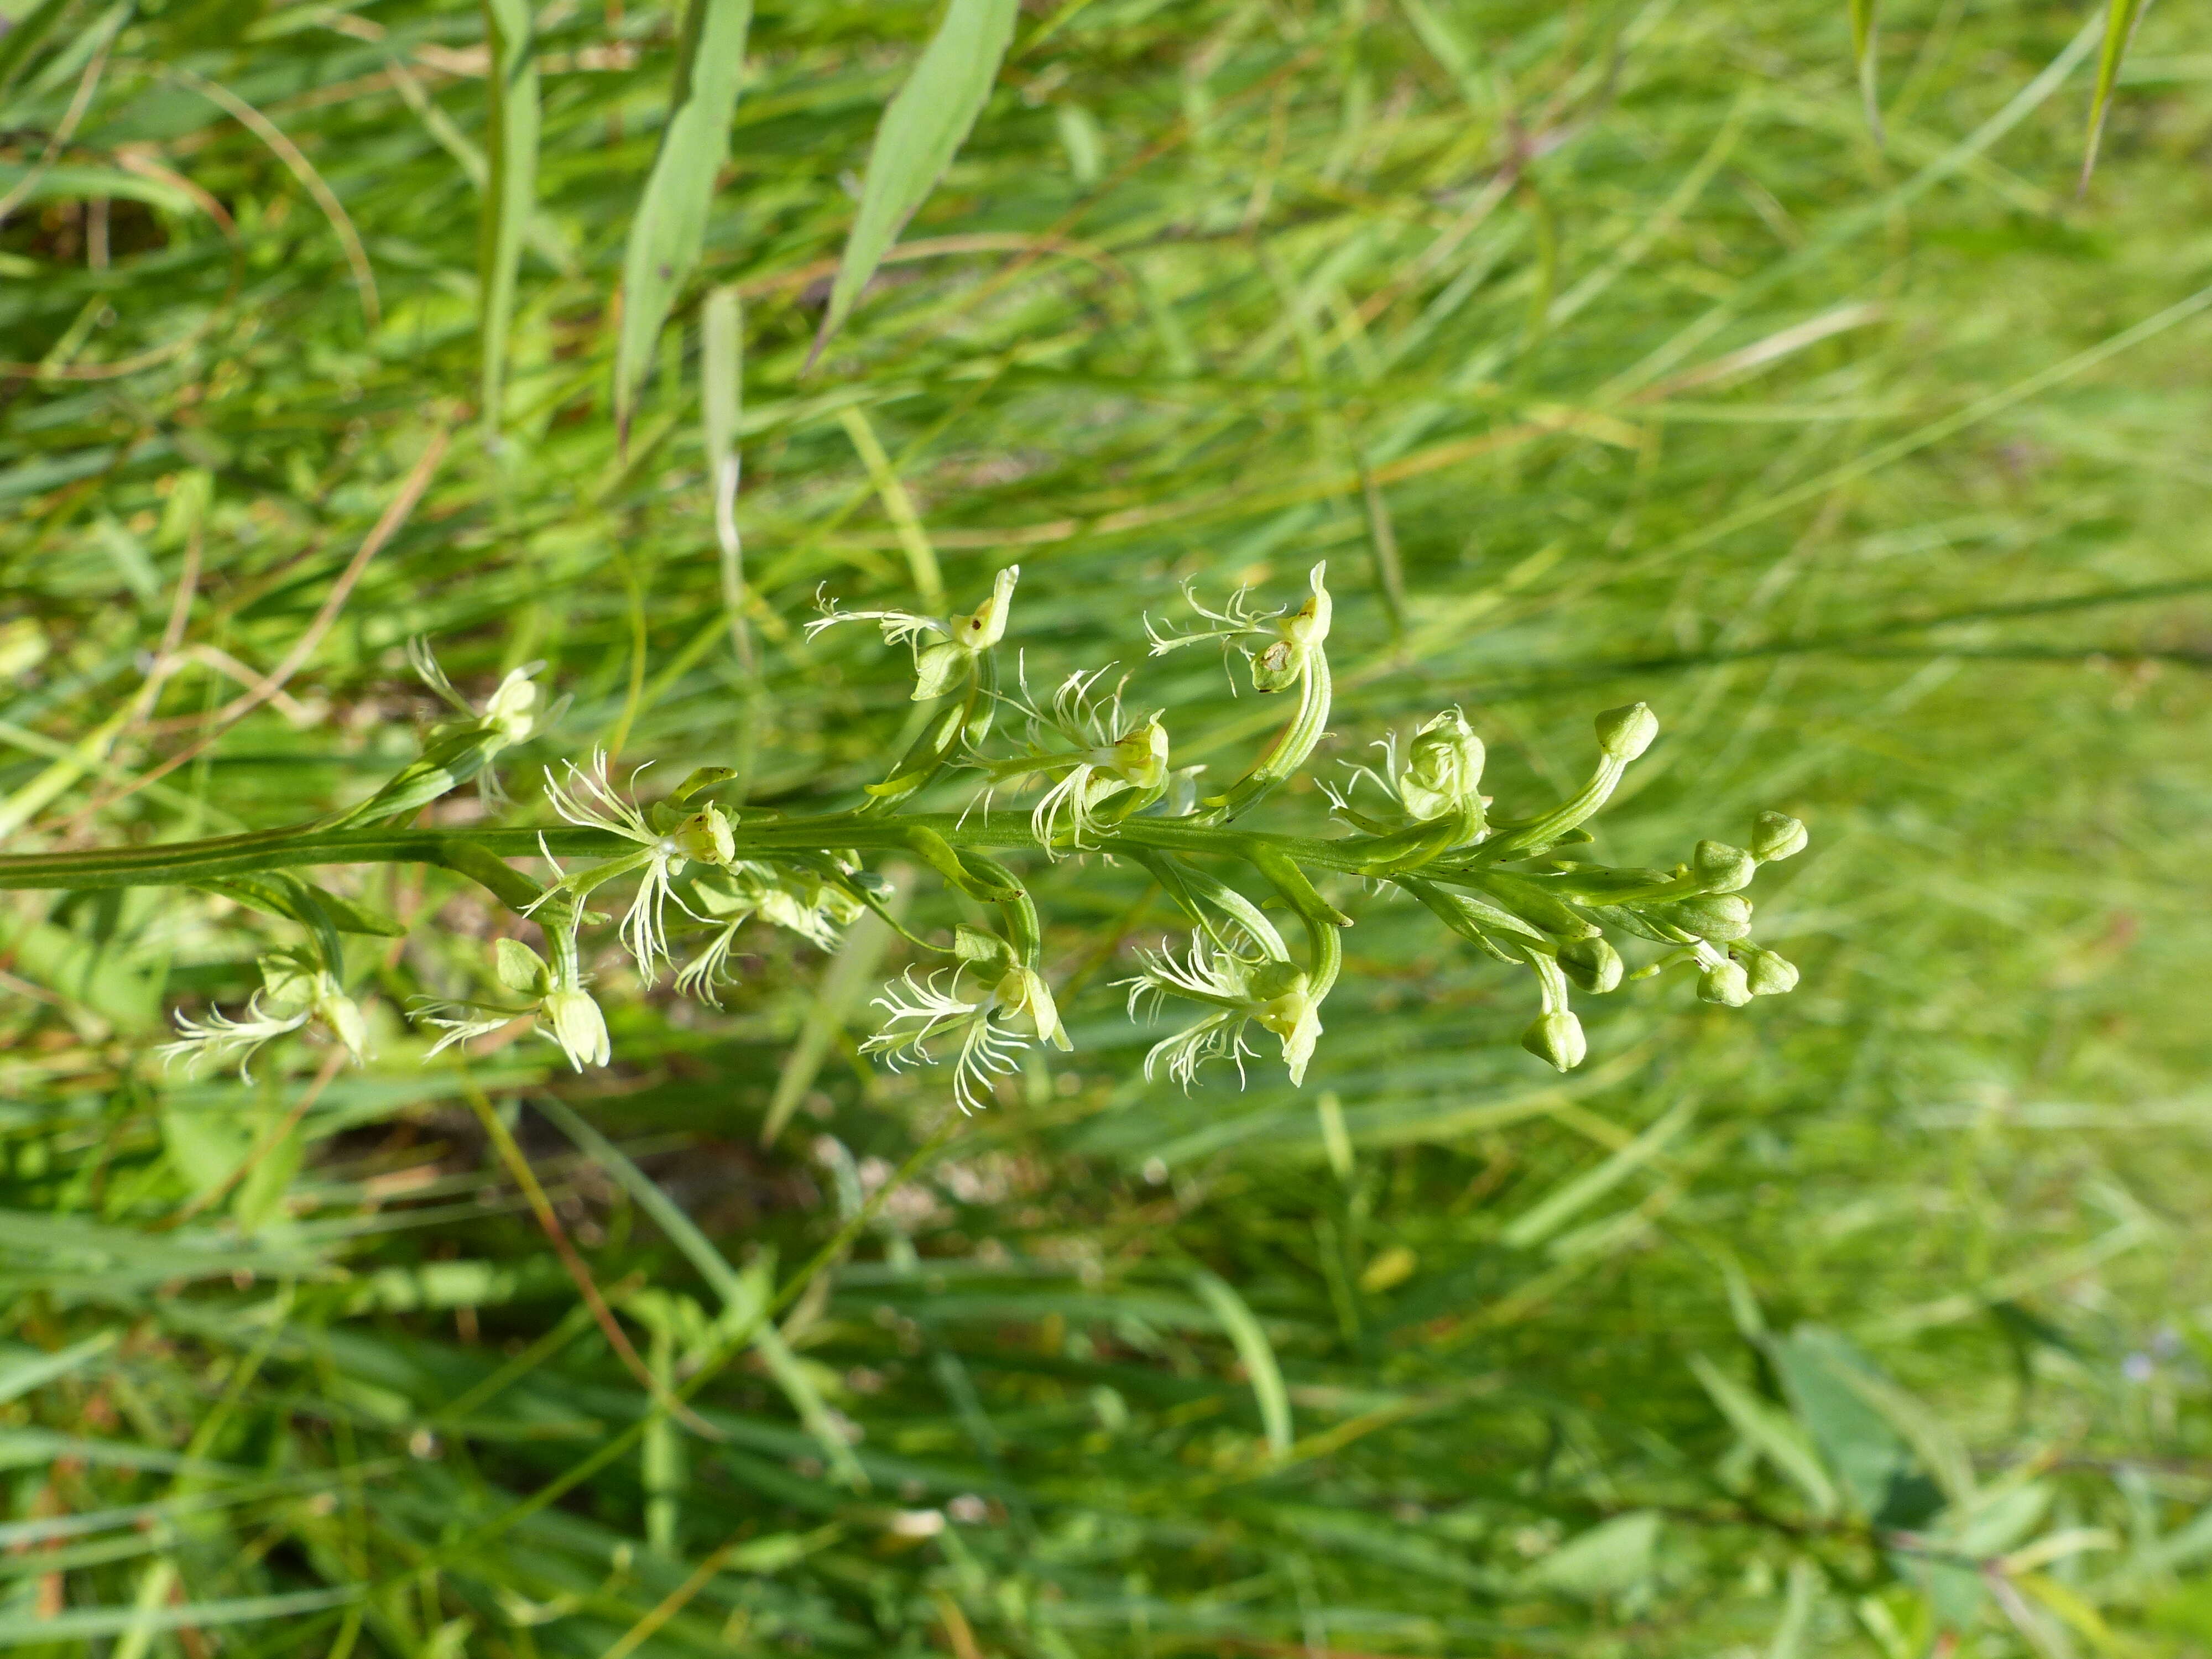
1612 326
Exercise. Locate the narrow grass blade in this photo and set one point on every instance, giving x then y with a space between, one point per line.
1863 55
721 400
667 1215
1258 1354
32 1630
1770 1433
923 126
25 1375
1564 1202
511 188
2121 17
22 39
898 507
669 227
1804 1584
745 1295
847 976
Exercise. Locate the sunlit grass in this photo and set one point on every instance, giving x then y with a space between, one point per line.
1604 357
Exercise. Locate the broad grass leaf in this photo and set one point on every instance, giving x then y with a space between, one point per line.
670 226
923 127
204 1147
82 969
1870 1459
511 187
259 1199
1612 1558
1776 1438
2121 17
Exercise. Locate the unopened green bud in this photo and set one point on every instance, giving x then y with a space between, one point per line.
579 1027
1444 766
1592 964
1721 868
1277 667
1716 916
939 668
342 1015
1725 983
1557 1039
1776 836
1767 974
705 837
520 969
1625 733
1140 755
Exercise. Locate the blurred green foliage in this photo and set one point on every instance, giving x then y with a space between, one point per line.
1605 356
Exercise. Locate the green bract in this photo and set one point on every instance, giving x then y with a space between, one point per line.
1517 888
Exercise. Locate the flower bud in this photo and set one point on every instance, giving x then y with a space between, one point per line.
940 668
1625 733
520 969
1592 964
1721 868
342 1015
1140 755
1028 1002
1277 667
1776 836
1557 1039
1716 916
1725 983
579 1027
705 835
1767 974
1444 766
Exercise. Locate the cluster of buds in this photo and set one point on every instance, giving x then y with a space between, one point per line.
1521 890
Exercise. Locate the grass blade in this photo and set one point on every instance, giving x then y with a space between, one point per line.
32 1629
24 1376
1863 55
1770 1433
1258 1354
2121 17
721 399
22 39
670 224
511 187
922 128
